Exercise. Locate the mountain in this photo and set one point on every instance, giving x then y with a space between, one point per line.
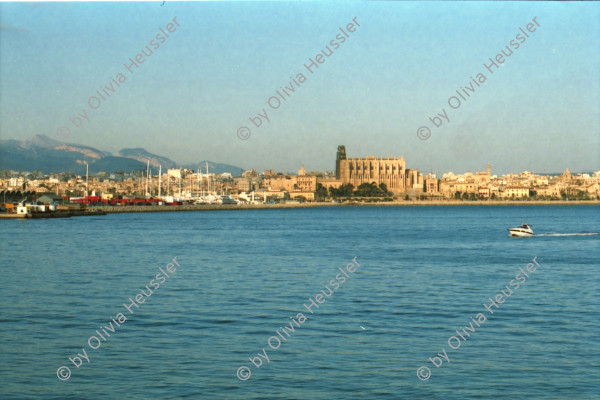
214 167
48 155
143 156
114 164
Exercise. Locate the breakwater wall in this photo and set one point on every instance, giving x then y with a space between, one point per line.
223 207
199 207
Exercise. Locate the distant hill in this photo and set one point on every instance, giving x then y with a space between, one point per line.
48 155
113 164
215 168
143 156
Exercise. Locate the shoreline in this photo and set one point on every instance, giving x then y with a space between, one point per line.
224 207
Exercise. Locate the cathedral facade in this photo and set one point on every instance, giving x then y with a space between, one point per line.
391 171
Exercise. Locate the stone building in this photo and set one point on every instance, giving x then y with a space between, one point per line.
483 177
431 184
243 184
391 171
301 183
306 183
280 182
516 191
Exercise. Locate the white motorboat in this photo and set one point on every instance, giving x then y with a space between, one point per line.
523 230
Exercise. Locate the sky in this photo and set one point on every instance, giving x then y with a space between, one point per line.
196 96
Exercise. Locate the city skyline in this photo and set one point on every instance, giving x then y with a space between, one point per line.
537 111
155 159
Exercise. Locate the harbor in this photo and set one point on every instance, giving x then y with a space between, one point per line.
31 210
104 209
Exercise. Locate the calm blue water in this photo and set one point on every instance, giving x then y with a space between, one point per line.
424 272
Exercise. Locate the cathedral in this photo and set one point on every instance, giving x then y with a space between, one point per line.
391 171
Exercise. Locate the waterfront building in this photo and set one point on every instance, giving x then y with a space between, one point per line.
448 188
310 196
280 182
306 183
548 191
243 184
297 186
431 184
484 192
390 171
483 177
16 196
289 183
593 188
48 198
516 191
479 184
15 183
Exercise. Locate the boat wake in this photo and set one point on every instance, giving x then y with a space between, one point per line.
568 234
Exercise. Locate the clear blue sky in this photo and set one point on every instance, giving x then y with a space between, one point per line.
538 111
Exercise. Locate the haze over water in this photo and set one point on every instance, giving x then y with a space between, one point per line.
424 273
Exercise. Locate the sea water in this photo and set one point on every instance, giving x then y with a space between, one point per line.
231 286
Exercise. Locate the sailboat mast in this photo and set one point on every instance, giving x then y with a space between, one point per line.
86 180
147 167
207 178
